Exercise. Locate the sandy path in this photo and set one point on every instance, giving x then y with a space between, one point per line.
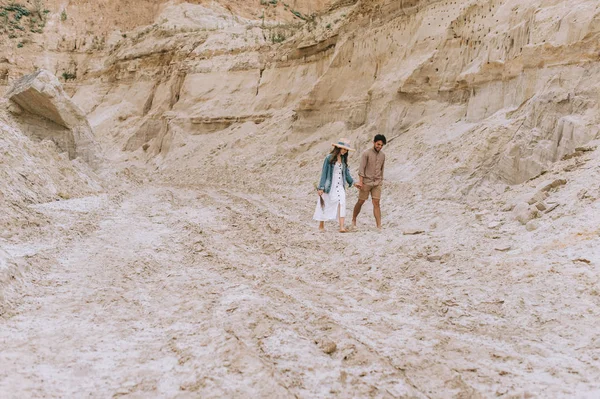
174 292
151 302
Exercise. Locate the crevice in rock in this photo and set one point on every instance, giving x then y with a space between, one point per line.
176 88
150 100
259 80
162 137
313 49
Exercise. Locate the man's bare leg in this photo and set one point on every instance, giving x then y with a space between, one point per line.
377 212
357 209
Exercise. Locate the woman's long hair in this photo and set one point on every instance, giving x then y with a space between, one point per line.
334 154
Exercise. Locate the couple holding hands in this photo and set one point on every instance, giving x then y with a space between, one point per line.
331 204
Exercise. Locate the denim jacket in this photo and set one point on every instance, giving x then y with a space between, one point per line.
327 174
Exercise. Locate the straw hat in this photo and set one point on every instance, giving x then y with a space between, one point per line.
343 143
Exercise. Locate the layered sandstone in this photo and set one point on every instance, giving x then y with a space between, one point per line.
518 72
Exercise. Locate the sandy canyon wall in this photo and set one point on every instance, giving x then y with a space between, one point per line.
476 91
137 71
516 78
529 65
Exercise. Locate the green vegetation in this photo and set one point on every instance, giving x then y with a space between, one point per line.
14 16
20 44
277 37
307 18
69 76
18 11
63 15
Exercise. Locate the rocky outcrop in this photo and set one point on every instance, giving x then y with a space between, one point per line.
46 112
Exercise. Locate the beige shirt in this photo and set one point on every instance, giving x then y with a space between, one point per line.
371 167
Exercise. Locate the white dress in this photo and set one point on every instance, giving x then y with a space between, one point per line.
336 196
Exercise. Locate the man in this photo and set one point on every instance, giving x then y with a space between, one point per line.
370 174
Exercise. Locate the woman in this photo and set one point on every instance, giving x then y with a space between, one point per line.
331 204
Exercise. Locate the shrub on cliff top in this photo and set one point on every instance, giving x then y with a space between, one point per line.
68 76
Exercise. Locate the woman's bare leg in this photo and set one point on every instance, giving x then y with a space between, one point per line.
342 229
322 226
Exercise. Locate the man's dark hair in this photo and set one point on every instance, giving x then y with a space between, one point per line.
380 137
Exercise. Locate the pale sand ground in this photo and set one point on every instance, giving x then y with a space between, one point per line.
158 291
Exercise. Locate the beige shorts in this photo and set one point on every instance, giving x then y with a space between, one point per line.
363 193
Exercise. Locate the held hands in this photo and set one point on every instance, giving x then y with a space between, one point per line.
320 192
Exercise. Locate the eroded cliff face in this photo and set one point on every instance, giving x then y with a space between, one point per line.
530 67
515 79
